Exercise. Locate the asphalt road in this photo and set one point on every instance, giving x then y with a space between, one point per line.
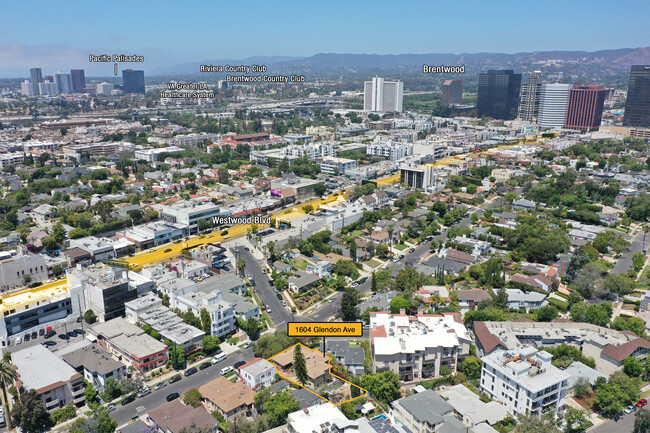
625 424
625 261
279 314
123 414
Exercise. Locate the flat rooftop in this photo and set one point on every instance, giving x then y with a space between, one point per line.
41 370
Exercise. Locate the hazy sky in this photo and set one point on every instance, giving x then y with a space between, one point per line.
61 34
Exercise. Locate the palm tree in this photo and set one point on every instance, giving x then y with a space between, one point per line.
241 265
7 378
390 230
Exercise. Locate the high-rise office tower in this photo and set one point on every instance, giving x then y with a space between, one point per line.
78 80
530 94
585 109
37 77
637 105
132 81
63 82
498 94
452 92
383 96
553 104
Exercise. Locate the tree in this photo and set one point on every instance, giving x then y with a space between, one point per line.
7 378
177 356
632 367
193 428
29 412
547 313
398 303
471 366
533 423
193 398
308 209
271 344
641 421
390 229
373 283
582 387
501 299
206 321
89 317
97 421
577 421
349 302
278 407
209 344
638 260
241 266
614 395
382 251
634 324
385 386
353 250
111 389
251 326
319 188
300 366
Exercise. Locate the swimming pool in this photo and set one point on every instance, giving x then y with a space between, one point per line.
382 416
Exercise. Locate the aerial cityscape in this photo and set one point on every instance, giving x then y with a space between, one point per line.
252 219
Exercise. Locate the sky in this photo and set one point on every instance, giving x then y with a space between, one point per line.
61 35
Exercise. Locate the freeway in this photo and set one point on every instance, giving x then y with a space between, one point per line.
123 414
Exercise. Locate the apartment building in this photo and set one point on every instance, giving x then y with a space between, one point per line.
525 381
222 313
57 384
390 150
406 345
335 166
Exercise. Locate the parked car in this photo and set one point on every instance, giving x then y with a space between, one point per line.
630 408
641 402
239 364
79 319
205 365
160 385
18 340
110 407
412 250
279 295
64 337
284 303
247 345
128 399
175 378
72 334
27 337
226 268
225 370
190 371
34 334
220 357
50 334
173 396
79 331
354 285
143 392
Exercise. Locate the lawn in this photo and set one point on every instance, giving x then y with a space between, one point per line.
357 233
400 247
373 263
300 264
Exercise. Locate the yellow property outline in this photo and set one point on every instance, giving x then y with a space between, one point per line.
329 362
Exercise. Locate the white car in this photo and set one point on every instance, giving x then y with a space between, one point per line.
629 409
355 285
226 370
263 271
151 250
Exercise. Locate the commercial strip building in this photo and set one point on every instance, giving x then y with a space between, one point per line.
524 380
406 344
56 382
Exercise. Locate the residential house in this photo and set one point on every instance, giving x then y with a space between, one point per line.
96 365
172 417
469 299
352 358
257 373
523 204
322 268
302 281
230 399
530 301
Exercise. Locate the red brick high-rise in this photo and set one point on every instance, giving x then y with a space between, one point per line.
585 109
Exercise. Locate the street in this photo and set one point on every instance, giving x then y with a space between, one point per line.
123 414
625 424
625 261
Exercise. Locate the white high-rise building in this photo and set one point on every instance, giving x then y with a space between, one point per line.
26 88
105 88
63 82
553 105
48 88
383 96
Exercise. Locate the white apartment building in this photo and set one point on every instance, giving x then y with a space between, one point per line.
257 373
105 88
335 166
311 150
222 313
26 88
13 158
553 105
193 140
48 88
416 347
524 380
383 96
390 150
151 155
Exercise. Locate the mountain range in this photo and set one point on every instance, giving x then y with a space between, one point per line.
614 61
